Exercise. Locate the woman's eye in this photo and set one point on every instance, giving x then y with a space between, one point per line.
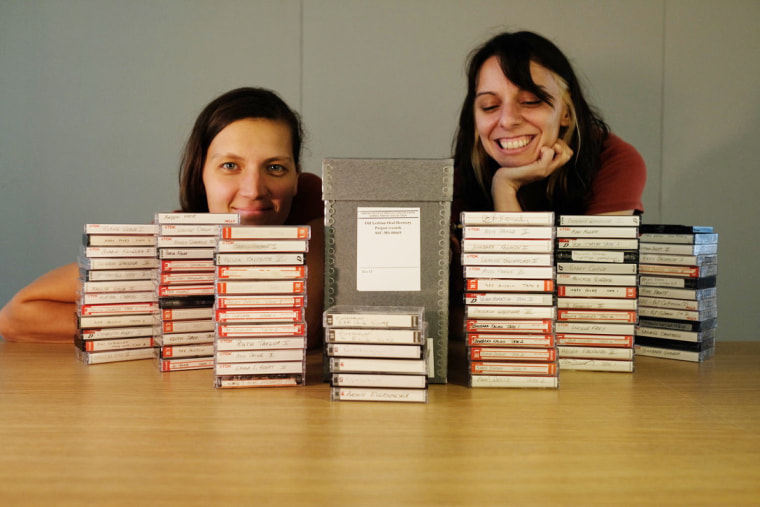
229 166
277 169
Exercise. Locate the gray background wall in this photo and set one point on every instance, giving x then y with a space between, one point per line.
97 97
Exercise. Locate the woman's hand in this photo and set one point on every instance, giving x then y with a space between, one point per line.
508 180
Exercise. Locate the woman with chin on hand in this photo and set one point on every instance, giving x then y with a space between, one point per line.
528 140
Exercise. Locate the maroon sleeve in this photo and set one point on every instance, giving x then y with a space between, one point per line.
307 204
619 184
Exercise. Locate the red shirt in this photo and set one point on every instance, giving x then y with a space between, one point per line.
307 203
620 181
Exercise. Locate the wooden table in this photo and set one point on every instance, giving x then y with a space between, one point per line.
125 434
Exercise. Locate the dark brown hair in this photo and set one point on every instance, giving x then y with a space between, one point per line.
566 190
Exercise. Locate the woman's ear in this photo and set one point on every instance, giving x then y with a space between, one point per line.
565 120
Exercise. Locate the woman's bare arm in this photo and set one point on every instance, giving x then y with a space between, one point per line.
43 311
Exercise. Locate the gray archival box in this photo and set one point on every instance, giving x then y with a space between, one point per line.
387 228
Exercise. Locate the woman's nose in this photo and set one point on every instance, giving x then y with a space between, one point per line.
252 183
511 114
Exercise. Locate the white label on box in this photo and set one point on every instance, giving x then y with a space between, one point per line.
388 249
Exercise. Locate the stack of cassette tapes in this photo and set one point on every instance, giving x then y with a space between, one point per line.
376 353
260 309
116 303
678 309
509 300
186 243
597 277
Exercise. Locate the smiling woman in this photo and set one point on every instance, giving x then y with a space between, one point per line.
515 124
242 156
528 140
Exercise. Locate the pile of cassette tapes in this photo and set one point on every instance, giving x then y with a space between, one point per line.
597 276
260 309
508 261
186 243
678 308
376 353
116 302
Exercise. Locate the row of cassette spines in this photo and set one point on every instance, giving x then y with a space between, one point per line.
186 249
117 308
594 267
375 353
597 280
678 305
509 299
260 307
123 267
265 257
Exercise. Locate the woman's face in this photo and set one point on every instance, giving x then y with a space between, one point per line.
250 170
513 124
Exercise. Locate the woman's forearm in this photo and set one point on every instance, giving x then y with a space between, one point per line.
44 311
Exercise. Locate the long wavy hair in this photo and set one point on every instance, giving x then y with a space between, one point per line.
567 189
238 104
